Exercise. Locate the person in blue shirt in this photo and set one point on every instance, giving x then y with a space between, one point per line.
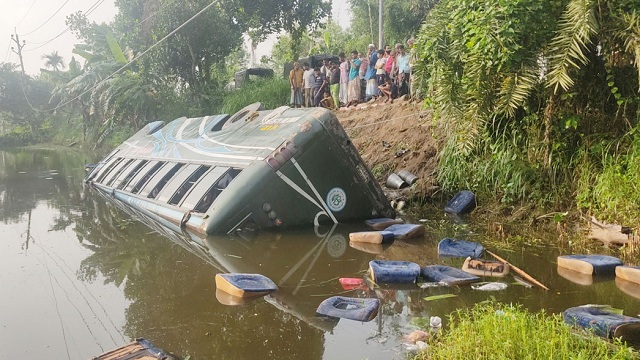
354 79
370 76
404 71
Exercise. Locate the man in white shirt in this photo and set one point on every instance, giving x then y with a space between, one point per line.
309 78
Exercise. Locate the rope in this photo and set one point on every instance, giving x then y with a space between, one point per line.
383 121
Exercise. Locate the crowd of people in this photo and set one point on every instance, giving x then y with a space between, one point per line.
381 74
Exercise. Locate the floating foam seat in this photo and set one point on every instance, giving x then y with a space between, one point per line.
480 267
382 223
386 271
446 274
371 237
590 264
349 308
629 273
405 231
459 248
245 285
604 323
462 203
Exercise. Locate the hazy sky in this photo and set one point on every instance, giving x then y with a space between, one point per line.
41 23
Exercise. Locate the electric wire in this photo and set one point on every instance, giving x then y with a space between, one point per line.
46 21
133 60
86 300
104 311
55 301
6 56
43 43
27 13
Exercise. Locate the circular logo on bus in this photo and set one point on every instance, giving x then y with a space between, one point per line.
336 199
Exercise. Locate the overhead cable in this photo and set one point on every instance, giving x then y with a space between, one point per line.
27 13
46 21
133 60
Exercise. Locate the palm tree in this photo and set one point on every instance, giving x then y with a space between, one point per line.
53 61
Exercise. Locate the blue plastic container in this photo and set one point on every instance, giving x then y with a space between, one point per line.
448 247
447 275
593 264
349 308
386 271
382 223
405 231
462 203
604 323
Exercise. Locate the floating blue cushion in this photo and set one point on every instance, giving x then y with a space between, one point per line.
602 264
459 248
382 223
447 274
349 308
403 231
386 271
250 282
462 203
602 322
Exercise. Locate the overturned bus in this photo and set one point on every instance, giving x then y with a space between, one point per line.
255 169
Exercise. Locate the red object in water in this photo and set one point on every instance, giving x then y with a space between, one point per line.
352 283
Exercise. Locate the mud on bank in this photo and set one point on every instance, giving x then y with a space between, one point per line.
392 137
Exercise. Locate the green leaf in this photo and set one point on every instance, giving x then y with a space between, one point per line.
116 50
439 297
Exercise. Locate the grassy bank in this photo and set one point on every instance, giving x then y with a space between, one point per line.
496 331
271 92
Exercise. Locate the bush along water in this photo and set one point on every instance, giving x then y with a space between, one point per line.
538 101
271 92
497 331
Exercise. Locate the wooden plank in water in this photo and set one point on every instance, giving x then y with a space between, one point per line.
140 349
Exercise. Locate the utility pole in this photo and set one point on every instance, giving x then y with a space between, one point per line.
16 40
380 33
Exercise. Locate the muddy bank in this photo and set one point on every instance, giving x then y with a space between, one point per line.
392 137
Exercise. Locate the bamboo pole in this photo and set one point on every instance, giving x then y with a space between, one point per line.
518 270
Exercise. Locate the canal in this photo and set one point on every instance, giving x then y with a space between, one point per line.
80 276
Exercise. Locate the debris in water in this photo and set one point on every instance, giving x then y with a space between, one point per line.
492 286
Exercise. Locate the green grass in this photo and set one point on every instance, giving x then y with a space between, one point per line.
271 92
497 331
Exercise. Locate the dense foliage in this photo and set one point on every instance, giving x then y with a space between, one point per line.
535 96
496 331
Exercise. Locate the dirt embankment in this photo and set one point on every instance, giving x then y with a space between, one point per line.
392 137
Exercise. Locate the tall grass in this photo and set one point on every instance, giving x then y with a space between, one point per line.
271 92
609 184
495 331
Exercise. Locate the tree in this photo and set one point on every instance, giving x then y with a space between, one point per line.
402 19
296 18
53 61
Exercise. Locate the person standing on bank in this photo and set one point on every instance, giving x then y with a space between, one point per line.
334 84
354 79
309 80
402 62
344 79
370 77
296 76
319 86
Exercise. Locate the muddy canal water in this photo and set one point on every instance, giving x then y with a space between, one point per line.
79 276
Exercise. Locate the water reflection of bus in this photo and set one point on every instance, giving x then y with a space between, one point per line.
255 169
